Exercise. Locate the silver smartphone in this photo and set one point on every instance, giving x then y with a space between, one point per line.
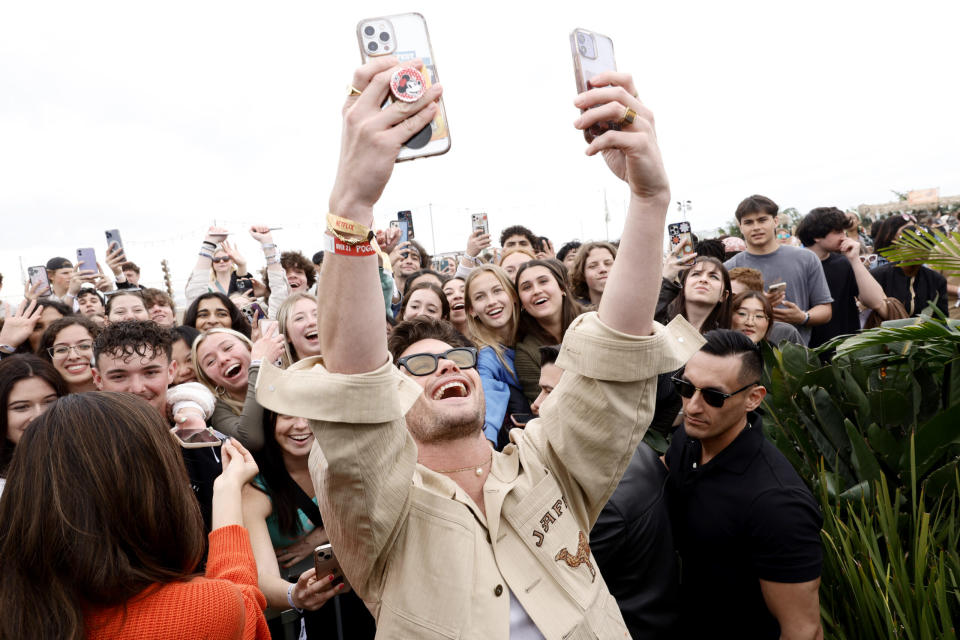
479 222
405 36
38 275
592 54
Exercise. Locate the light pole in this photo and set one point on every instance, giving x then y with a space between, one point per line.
683 206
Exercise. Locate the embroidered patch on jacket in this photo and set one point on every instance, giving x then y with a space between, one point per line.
582 557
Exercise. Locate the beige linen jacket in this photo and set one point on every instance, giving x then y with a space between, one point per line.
424 558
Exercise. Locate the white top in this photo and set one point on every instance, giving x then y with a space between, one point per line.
521 626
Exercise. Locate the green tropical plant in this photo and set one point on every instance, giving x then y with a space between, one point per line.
934 249
876 434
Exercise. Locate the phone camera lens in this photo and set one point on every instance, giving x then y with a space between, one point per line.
583 50
368 30
581 38
384 36
372 46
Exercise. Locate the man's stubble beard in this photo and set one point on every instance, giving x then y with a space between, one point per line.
429 427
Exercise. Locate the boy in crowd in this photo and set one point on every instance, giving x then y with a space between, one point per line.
136 356
806 298
823 231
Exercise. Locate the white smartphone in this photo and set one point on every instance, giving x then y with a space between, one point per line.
777 287
405 36
480 223
38 275
592 54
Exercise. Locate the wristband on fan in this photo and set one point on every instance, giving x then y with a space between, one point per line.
348 231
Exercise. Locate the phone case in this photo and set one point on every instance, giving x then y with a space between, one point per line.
325 561
680 231
407 38
480 223
407 216
113 235
38 274
86 259
592 53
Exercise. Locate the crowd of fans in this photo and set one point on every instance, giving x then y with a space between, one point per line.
94 367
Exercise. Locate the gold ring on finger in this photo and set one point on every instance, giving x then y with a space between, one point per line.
628 117
353 90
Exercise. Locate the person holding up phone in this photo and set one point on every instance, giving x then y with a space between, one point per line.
496 543
280 511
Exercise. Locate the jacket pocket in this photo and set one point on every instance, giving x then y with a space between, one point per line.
430 573
558 541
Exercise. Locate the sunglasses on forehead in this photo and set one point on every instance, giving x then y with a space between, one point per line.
423 364
713 397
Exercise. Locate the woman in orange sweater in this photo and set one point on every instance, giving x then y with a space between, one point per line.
100 534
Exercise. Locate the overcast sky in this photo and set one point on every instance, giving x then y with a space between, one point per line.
159 118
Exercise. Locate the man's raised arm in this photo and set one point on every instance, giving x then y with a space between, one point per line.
630 297
351 311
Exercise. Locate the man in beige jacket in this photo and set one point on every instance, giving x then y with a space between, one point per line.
441 536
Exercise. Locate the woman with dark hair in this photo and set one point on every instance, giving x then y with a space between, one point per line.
752 315
101 536
68 345
589 275
213 309
183 337
28 386
453 289
885 231
548 307
280 511
702 297
424 299
126 304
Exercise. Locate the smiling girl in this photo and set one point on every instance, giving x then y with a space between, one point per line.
227 363
68 345
493 312
548 309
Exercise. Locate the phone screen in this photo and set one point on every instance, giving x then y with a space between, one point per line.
407 216
192 437
521 419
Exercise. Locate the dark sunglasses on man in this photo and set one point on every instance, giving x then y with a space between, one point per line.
423 364
713 397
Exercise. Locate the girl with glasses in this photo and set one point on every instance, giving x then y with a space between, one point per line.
752 315
68 345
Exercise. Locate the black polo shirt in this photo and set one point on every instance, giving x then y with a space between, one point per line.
744 516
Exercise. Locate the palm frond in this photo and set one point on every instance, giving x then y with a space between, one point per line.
932 248
925 330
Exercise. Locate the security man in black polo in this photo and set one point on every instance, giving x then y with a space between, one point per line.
746 526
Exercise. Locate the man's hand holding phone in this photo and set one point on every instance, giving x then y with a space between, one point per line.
372 139
631 153
477 242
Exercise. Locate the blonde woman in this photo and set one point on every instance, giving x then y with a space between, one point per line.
297 320
493 313
227 363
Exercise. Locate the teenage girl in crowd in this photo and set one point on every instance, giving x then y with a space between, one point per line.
590 271
227 363
493 312
68 345
424 299
28 386
548 308
752 315
280 511
453 289
297 321
126 304
21 332
702 296
220 264
101 536
214 309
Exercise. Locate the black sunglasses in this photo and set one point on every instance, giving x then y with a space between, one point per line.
712 397
423 364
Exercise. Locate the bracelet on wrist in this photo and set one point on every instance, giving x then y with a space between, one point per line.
205 255
290 598
207 243
268 245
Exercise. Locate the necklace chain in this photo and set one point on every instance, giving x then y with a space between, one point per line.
477 467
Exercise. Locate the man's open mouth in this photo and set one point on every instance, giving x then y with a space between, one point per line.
455 389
